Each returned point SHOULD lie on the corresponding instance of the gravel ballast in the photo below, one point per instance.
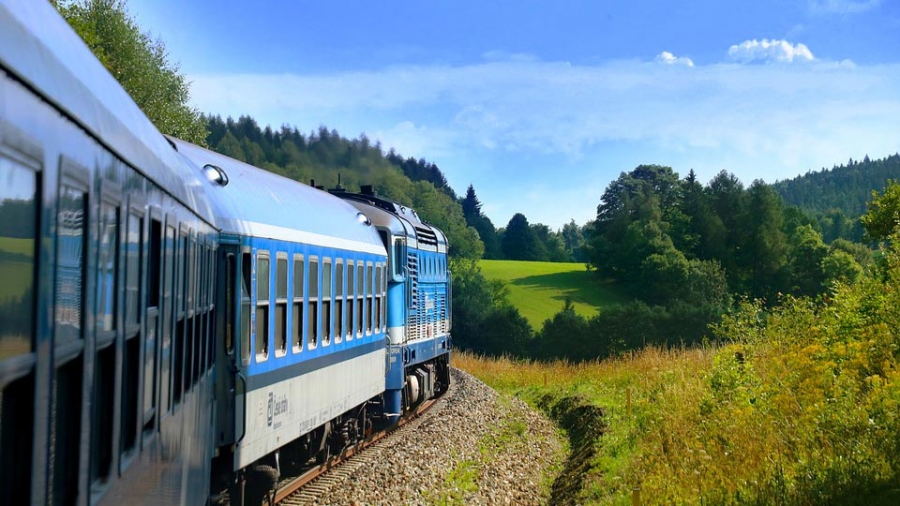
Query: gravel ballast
(474, 447)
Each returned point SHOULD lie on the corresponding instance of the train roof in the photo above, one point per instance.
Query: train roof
(399, 219)
(40, 49)
(259, 203)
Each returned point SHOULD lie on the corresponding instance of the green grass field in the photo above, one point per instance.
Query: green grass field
(539, 289)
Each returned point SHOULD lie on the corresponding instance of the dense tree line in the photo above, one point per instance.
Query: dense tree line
(521, 240)
(328, 159)
(421, 170)
(837, 197)
(671, 239)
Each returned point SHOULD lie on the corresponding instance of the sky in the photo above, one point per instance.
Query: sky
(541, 104)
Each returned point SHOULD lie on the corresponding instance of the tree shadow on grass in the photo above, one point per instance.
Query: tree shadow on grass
(579, 286)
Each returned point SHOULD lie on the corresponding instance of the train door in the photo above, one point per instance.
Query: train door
(229, 367)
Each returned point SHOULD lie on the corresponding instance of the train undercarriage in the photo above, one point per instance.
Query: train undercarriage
(257, 482)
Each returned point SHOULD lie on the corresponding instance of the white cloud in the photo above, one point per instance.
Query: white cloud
(503, 124)
(842, 6)
(769, 50)
(670, 59)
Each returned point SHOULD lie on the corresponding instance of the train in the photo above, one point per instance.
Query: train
(177, 326)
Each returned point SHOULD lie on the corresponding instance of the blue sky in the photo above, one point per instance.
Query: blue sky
(540, 105)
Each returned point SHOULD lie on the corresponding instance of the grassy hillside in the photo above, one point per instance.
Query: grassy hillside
(539, 289)
(801, 406)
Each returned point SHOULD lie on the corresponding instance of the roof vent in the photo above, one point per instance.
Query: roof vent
(215, 174)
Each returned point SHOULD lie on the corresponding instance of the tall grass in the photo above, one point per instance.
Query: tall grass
(801, 407)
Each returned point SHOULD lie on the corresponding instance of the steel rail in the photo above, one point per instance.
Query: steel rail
(297, 484)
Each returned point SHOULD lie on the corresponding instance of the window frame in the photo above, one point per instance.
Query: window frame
(298, 302)
(281, 303)
(264, 306)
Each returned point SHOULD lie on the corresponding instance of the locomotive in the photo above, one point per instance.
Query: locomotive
(176, 326)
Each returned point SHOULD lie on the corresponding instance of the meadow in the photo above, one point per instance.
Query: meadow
(799, 404)
(539, 289)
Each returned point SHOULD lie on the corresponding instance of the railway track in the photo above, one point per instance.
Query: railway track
(310, 485)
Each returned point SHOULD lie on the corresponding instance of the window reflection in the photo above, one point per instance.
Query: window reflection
(18, 224)
(106, 270)
(70, 250)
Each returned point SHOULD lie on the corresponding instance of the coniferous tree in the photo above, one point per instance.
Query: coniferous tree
(519, 240)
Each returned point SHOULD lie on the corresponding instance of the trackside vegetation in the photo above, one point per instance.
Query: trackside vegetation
(797, 404)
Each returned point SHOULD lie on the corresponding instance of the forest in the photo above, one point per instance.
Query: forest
(685, 253)
(755, 362)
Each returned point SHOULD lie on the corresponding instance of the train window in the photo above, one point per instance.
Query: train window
(398, 258)
(190, 273)
(165, 356)
(370, 304)
(246, 273)
(351, 292)
(360, 297)
(230, 271)
(347, 302)
(133, 260)
(178, 279)
(378, 296)
(65, 431)
(326, 301)
(18, 253)
(16, 436)
(70, 235)
(18, 229)
(197, 276)
(297, 307)
(312, 303)
(384, 298)
(199, 309)
(102, 418)
(181, 325)
(131, 377)
(262, 306)
(338, 300)
(155, 259)
(281, 293)
(210, 334)
(132, 354)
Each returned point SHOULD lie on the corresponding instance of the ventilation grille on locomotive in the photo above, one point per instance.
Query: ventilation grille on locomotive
(426, 236)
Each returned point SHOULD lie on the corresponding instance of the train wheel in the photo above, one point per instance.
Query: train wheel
(261, 481)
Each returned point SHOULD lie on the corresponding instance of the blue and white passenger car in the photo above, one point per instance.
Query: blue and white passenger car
(418, 299)
(303, 323)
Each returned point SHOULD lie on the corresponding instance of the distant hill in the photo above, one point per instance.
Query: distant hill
(837, 197)
(845, 187)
